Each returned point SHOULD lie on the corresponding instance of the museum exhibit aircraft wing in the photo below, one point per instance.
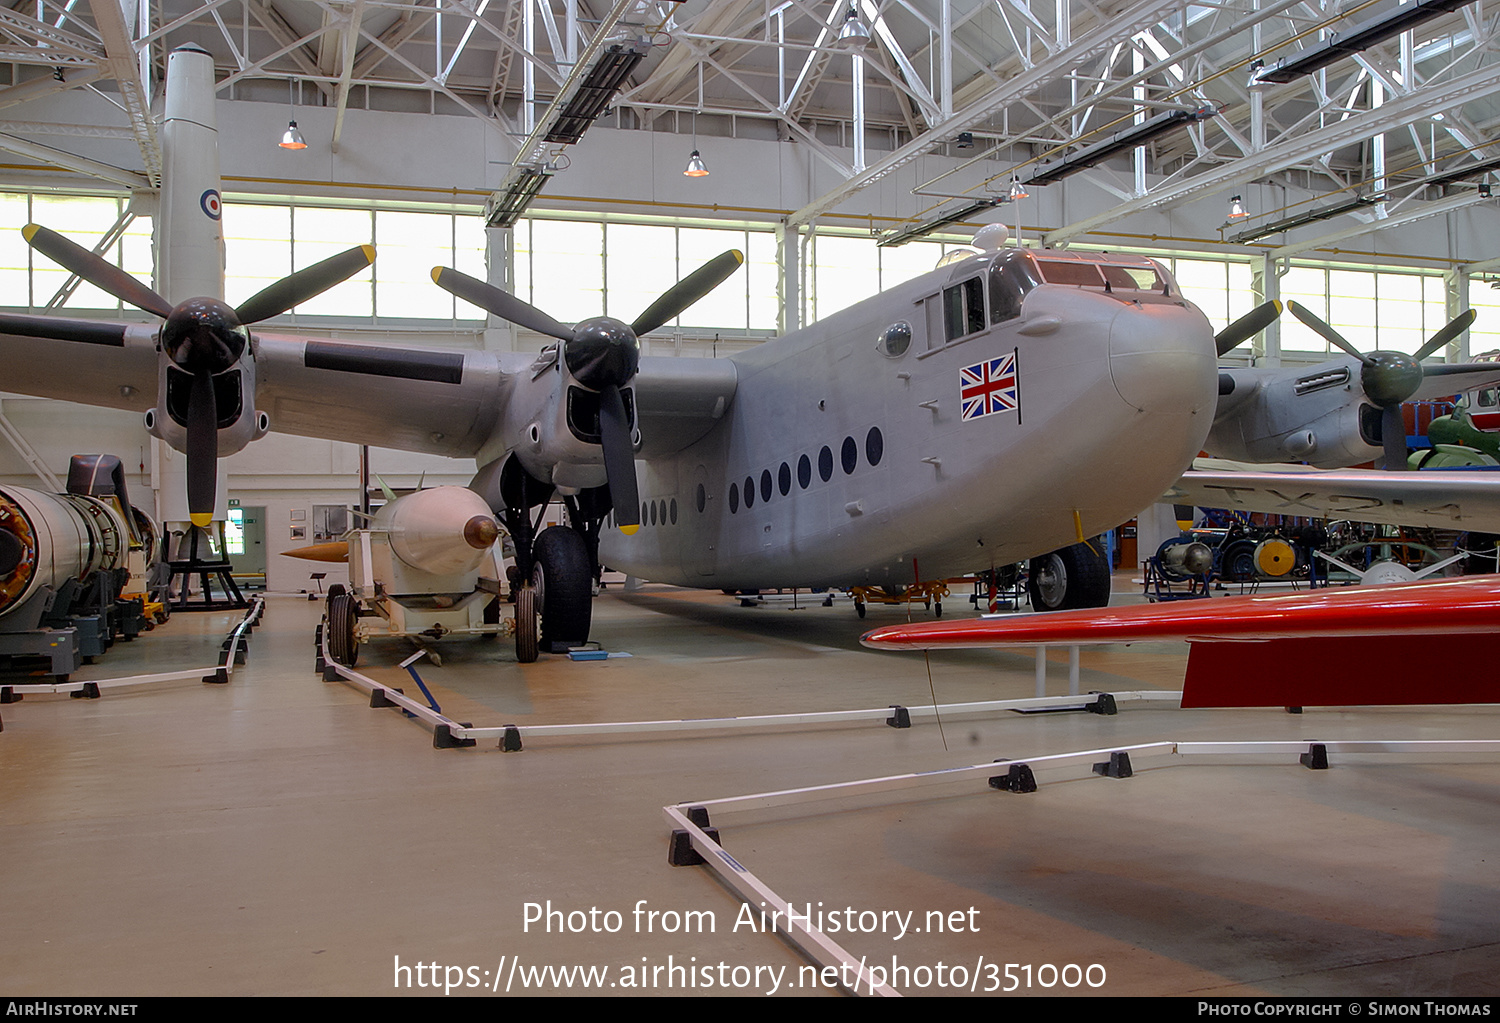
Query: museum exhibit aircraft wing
(1466, 498)
(1342, 412)
(1368, 645)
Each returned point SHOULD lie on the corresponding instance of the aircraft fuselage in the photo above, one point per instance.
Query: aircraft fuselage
(974, 417)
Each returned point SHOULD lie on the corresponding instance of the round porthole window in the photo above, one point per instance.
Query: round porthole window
(895, 340)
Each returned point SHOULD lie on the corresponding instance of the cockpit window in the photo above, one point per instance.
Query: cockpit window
(963, 309)
(1133, 278)
(1012, 275)
(1082, 275)
(1109, 276)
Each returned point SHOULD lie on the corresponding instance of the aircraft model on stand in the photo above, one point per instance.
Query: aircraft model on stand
(928, 431)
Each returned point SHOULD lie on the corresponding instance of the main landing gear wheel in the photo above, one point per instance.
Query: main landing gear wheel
(526, 624)
(563, 578)
(343, 615)
(1076, 576)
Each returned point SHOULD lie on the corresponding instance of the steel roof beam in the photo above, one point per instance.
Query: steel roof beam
(1284, 155)
(1091, 44)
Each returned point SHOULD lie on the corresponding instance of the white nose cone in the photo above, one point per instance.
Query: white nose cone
(442, 531)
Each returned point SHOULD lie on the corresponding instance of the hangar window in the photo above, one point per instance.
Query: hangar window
(734, 498)
(825, 464)
(850, 455)
(804, 472)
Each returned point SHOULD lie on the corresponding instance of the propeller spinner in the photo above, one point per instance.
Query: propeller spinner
(203, 337)
(601, 354)
(1389, 378)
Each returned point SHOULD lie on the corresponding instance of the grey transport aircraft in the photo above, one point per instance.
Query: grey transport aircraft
(1001, 408)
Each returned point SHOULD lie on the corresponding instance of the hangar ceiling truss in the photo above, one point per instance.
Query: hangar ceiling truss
(1005, 86)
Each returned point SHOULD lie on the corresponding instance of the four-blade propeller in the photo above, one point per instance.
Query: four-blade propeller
(1390, 378)
(602, 354)
(203, 337)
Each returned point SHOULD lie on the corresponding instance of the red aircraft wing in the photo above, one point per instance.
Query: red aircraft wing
(1361, 645)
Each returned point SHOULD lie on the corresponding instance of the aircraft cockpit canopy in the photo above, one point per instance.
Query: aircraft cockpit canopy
(1012, 274)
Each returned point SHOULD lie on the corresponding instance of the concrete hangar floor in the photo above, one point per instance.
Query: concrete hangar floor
(276, 835)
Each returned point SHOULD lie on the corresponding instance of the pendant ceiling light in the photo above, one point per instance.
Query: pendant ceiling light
(854, 34)
(292, 138)
(696, 168)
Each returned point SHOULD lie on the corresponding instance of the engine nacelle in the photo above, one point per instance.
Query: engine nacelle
(1319, 417)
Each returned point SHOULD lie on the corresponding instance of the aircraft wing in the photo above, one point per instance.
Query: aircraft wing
(1439, 498)
(1442, 380)
(678, 400)
(415, 399)
(109, 363)
(1341, 647)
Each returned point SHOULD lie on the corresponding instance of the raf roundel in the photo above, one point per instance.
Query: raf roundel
(210, 202)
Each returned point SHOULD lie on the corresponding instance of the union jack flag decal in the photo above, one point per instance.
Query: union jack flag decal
(989, 387)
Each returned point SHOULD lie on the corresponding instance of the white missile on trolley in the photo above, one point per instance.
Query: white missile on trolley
(428, 565)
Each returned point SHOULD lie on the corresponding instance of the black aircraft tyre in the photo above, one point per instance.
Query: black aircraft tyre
(1237, 565)
(343, 614)
(1073, 577)
(563, 578)
(526, 647)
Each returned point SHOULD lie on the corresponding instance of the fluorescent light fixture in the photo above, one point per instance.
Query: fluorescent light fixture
(943, 219)
(1360, 36)
(594, 93)
(1463, 173)
(520, 188)
(1119, 141)
(1311, 216)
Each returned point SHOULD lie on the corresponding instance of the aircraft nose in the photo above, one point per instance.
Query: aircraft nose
(1161, 359)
